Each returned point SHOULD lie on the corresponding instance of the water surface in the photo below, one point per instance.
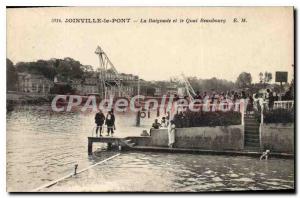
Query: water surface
(43, 146)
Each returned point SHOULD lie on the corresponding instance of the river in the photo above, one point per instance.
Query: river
(43, 146)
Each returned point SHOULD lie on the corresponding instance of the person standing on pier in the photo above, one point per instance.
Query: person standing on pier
(110, 122)
(99, 120)
(171, 134)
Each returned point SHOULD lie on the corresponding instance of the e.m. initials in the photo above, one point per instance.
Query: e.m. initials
(241, 20)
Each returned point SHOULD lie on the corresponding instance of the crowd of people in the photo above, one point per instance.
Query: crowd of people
(253, 101)
(234, 96)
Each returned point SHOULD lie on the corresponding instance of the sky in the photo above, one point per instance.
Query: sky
(159, 51)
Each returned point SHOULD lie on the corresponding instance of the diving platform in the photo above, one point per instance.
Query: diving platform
(110, 141)
(103, 139)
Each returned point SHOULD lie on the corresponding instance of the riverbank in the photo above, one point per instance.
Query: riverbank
(13, 97)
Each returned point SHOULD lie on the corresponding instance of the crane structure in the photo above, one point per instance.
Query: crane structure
(189, 89)
(104, 81)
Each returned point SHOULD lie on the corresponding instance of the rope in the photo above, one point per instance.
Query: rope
(72, 174)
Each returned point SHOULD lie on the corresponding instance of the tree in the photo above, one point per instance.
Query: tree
(267, 77)
(261, 77)
(207, 85)
(244, 80)
(62, 89)
(45, 68)
(70, 68)
(11, 76)
(67, 68)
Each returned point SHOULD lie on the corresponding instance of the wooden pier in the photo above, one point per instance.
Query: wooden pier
(109, 140)
(142, 144)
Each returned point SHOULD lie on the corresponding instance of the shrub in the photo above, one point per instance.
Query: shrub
(279, 116)
(203, 119)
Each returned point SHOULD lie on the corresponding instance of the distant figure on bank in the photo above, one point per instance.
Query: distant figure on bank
(164, 122)
(259, 102)
(110, 123)
(250, 105)
(270, 97)
(156, 124)
(99, 120)
(171, 134)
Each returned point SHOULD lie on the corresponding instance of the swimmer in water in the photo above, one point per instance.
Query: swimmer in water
(265, 155)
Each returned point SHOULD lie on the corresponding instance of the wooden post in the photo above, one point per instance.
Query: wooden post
(109, 145)
(90, 146)
(138, 118)
(261, 125)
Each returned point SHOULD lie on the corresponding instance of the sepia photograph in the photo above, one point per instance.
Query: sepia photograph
(150, 99)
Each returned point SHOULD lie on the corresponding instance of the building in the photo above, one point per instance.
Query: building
(85, 86)
(90, 85)
(34, 83)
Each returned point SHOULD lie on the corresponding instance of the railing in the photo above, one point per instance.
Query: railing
(283, 104)
(277, 105)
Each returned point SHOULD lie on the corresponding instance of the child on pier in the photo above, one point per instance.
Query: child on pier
(110, 122)
(99, 120)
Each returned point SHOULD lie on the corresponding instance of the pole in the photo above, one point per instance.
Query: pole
(90, 146)
(138, 118)
(138, 88)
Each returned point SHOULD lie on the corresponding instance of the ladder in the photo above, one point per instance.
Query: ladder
(188, 87)
(104, 63)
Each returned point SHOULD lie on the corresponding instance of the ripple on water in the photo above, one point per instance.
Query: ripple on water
(243, 179)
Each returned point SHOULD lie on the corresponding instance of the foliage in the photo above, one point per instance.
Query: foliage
(265, 77)
(279, 116)
(276, 116)
(212, 84)
(261, 77)
(67, 68)
(206, 85)
(11, 76)
(268, 77)
(244, 80)
(62, 89)
(204, 119)
(42, 67)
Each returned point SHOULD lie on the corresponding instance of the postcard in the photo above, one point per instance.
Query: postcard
(150, 99)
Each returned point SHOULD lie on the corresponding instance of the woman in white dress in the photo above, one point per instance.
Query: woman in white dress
(171, 133)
